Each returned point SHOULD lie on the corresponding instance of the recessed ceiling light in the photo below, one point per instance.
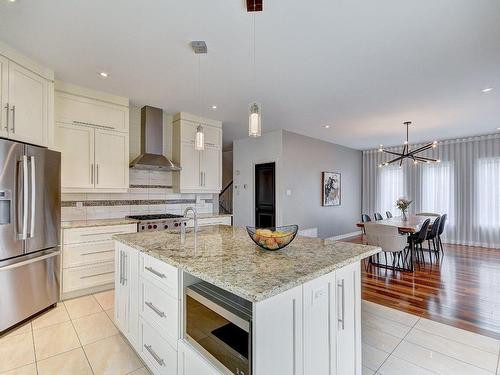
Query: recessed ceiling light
(12, 1)
(326, 126)
(487, 89)
(104, 74)
(214, 107)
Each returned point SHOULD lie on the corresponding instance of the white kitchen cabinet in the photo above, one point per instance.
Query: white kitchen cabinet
(347, 319)
(88, 258)
(192, 363)
(80, 109)
(127, 293)
(319, 328)
(111, 160)
(76, 144)
(26, 98)
(92, 135)
(201, 169)
(278, 334)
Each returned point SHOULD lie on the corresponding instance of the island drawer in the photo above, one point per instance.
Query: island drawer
(158, 354)
(81, 254)
(92, 234)
(161, 274)
(157, 307)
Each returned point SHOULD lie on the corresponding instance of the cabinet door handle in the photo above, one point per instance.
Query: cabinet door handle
(13, 109)
(97, 173)
(157, 358)
(92, 173)
(155, 272)
(7, 117)
(125, 257)
(203, 178)
(341, 319)
(158, 312)
(121, 267)
(294, 335)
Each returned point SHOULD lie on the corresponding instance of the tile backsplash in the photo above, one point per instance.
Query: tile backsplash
(150, 192)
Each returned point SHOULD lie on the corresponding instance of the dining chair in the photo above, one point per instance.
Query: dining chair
(378, 216)
(388, 238)
(365, 219)
(418, 238)
(442, 223)
(388, 214)
(432, 236)
(427, 214)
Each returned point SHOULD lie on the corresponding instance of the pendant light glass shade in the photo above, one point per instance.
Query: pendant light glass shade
(199, 143)
(255, 120)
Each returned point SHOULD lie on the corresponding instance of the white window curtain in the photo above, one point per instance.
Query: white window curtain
(465, 185)
(488, 196)
(391, 188)
(438, 190)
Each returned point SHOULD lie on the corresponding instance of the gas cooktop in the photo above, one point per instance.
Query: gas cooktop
(155, 217)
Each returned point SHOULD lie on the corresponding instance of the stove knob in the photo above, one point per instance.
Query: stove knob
(176, 224)
(166, 226)
(155, 226)
(150, 226)
(143, 227)
(185, 223)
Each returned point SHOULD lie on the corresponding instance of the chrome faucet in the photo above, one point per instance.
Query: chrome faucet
(195, 219)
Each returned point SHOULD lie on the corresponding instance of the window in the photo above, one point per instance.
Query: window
(391, 188)
(438, 189)
(488, 193)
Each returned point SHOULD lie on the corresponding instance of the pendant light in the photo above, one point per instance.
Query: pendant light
(199, 48)
(254, 109)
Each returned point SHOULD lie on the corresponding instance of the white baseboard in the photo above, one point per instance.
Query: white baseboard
(345, 235)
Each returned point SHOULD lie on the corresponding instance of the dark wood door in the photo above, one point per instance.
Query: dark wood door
(265, 195)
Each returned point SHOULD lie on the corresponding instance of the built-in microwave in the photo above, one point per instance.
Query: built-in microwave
(219, 324)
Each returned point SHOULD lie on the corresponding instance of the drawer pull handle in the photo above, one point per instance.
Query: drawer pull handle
(157, 358)
(82, 123)
(155, 309)
(97, 274)
(100, 233)
(155, 272)
(98, 252)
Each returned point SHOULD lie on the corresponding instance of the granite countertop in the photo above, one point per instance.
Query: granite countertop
(95, 223)
(227, 257)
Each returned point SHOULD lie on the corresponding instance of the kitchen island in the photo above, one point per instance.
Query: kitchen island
(302, 302)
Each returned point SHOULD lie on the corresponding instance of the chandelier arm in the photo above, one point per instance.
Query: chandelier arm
(422, 158)
(395, 160)
(423, 148)
(394, 153)
(401, 163)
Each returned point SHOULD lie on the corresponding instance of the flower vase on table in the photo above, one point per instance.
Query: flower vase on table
(403, 204)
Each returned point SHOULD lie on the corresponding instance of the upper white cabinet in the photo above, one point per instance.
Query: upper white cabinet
(92, 135)
(26, 95)
(201, 170)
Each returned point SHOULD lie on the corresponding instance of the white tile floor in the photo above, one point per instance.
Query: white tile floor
(396, 343)
(79, 338)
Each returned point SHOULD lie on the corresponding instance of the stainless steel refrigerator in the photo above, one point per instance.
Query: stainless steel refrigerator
(30, 215)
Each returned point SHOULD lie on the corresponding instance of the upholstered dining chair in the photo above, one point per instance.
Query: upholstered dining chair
(432, 236)
(378, 216)
(365, 219)
(388, 214)
(418, 238)
(388, 238)
(442, 223)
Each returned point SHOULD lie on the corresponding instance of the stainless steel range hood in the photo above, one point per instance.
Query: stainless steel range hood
(152, 157)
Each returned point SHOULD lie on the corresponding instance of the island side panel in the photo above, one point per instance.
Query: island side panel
(278, 334)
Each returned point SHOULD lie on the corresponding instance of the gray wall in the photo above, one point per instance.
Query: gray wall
(304, 159)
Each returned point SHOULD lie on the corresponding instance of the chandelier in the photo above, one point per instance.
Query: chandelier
(407, 153)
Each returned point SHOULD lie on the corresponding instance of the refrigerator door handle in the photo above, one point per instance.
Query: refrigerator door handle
(33, 196)
(24, 233)
(29, 261)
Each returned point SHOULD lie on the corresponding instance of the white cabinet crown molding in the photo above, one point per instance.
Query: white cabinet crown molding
(184, 116)
(28, 63)
(91, 94)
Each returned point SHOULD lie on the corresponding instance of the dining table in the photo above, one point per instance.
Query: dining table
(411, 225)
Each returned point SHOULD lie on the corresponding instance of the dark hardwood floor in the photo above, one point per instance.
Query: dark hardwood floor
(462, 289)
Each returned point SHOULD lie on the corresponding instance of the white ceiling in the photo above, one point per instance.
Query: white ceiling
(362, 67)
